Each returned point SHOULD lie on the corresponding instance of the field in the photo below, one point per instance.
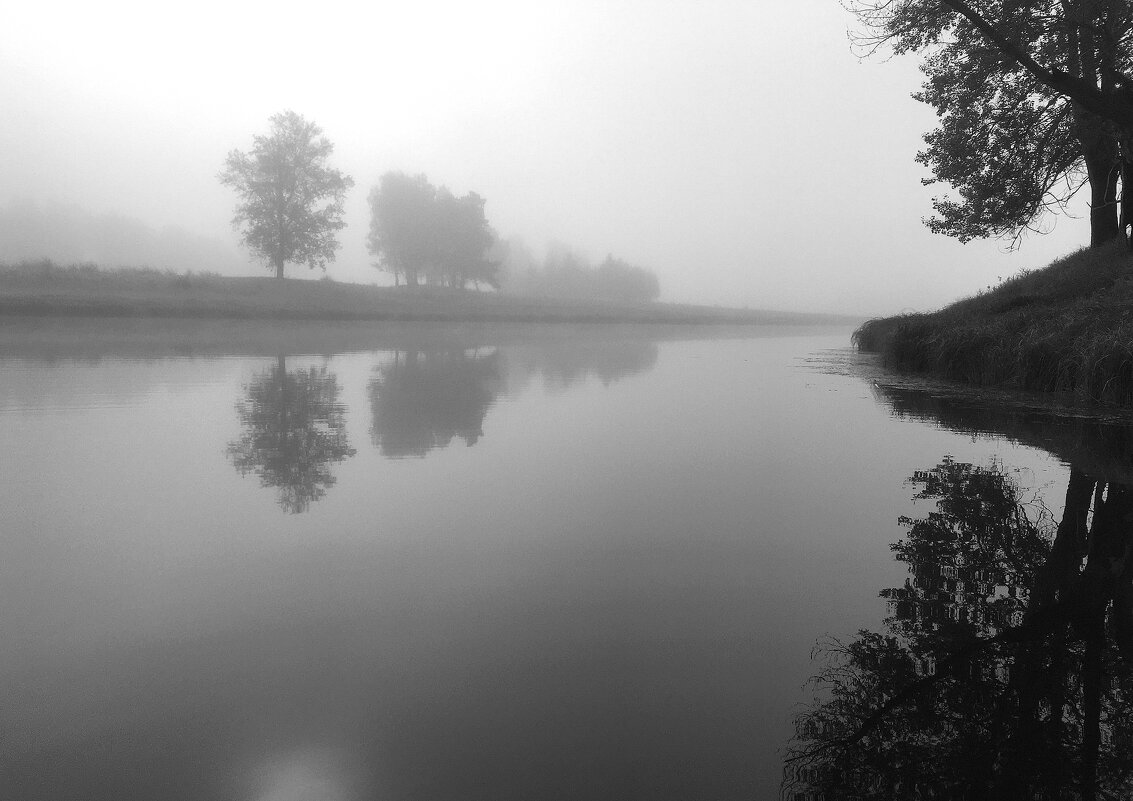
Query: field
(46, 289)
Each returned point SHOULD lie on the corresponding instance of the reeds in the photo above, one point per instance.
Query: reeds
(1065, 328)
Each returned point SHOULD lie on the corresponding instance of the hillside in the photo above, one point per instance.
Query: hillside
(1066, 328)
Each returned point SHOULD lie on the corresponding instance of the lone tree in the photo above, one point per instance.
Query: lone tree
(1029, 93)
(290, 202)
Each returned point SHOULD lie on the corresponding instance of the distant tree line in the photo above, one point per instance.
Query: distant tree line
(290, 208)
(565, 273)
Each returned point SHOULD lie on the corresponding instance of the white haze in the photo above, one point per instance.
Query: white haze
(738, 149)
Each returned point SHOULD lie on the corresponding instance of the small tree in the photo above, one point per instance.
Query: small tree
(290, 202)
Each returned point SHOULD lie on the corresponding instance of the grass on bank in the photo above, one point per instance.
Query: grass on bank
(46, 289)
(1067, 327)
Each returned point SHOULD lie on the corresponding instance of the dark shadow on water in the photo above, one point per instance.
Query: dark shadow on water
(1005, 667)
(1094, 442)
(294, 430)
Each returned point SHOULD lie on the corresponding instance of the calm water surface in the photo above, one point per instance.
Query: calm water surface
(486, 564)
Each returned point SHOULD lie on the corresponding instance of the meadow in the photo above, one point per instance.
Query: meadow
(43, 288)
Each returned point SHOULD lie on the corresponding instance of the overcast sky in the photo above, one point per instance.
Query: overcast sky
(739, 149)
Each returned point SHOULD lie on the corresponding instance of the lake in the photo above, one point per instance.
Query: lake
(471, 562)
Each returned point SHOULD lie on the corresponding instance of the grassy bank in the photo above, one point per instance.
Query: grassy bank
(45, 289)
(1065, 328)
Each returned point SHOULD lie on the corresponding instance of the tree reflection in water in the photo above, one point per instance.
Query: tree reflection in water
(422, 399)
(1003, 671)
(294, 430)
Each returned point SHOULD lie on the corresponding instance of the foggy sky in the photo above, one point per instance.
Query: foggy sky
(738, 149)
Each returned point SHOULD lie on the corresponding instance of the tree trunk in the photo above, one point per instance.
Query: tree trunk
(278, 263)
(1104, 223)
(1126, 219)
(1064, 562)
(1103, 168)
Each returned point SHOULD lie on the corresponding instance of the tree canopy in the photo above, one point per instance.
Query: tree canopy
(1004, 668)
(420, 232)
(1034, 101)
(290, 202)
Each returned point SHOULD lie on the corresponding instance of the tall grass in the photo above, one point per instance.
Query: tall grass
(38, 271)
(1065, 328)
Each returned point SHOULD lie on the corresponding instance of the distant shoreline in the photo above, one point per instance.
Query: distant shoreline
(68, 292)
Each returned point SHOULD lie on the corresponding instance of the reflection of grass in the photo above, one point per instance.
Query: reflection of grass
(1066, 327)
(43, 288)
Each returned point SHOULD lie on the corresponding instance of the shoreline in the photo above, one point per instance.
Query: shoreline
(64, 338)
(122, 295)
(1066, 328)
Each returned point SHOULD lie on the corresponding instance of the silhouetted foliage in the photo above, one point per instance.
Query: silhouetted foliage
(1009, 148)
(294, 431)
(997, 676)
(421, 232)
(1027, 92)
(421, 400)
(290, 202)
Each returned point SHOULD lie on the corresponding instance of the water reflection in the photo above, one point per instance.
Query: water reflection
(563, 363)
(1003, 670)
(422, 399)
(1097, 444)
(293, 432)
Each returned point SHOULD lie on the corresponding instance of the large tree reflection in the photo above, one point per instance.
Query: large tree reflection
(1003, 670)
(422, 399)
(294, 430)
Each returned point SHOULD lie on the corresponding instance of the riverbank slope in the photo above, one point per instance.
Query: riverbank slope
(1066, 328)
(89, 292)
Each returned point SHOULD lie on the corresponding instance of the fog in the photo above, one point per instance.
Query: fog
(739, 150)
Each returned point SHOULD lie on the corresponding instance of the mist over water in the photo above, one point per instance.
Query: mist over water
(491, 564)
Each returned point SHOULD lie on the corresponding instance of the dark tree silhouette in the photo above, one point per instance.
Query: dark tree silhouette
(423, 399)
(291, 202)
(998, 675)
(294, 430)
(1029, 93)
